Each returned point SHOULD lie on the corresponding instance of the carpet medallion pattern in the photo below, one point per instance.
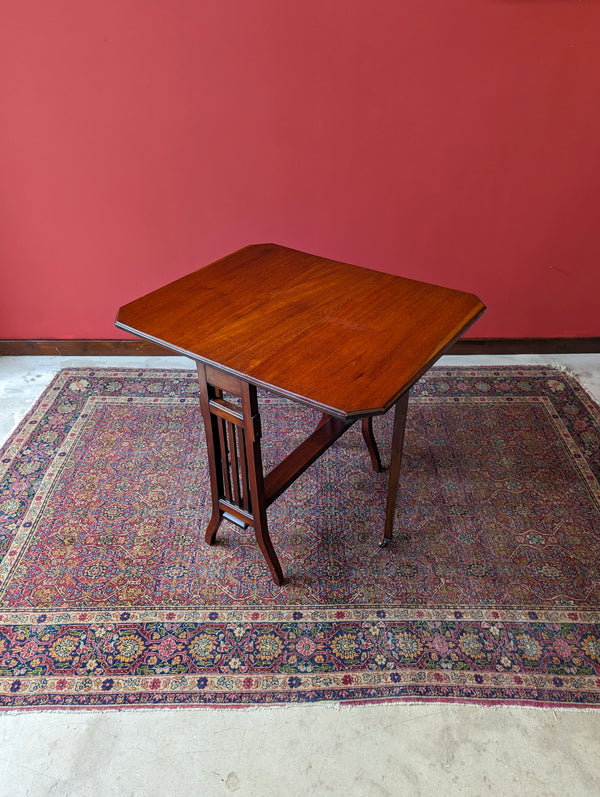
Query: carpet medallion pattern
(489, 593)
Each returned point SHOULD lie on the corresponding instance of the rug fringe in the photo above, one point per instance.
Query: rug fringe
(564, 369)
(452, 705)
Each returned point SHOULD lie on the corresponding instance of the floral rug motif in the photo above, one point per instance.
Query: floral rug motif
(489, 593)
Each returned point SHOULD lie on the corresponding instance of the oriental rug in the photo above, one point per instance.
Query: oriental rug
(490, 592)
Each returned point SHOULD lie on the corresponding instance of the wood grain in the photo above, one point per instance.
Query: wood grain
(345, 339)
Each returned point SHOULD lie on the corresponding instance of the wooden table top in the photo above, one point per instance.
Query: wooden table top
(344, 339)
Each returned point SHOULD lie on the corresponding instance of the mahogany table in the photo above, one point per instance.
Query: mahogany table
(346, 340)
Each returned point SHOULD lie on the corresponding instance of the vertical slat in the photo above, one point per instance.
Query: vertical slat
(224, 458)
(233, 453)
(245, 488)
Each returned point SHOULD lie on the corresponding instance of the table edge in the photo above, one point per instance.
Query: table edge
(303, 399)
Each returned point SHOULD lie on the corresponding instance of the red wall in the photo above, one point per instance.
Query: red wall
(451, 141)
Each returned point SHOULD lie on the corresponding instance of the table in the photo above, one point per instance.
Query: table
(346, 340)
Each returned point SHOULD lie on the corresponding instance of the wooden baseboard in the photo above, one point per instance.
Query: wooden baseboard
(82, 348)
(140, 348)
(526, 346)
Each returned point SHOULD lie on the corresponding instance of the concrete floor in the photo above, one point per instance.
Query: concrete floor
(394, 749)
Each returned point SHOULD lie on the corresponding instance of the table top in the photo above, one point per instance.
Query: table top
(344, 339)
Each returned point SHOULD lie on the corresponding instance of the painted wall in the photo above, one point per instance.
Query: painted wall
(454, 142)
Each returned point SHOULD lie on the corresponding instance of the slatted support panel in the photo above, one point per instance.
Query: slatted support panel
(233, 433)
(229, 422)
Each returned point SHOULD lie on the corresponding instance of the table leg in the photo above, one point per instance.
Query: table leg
(394, 477)
(233, 435)
(369, 437)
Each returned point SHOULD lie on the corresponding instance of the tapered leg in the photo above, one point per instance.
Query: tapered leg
(215, 465)
(256, 480)
(367, 431)
(394, 476)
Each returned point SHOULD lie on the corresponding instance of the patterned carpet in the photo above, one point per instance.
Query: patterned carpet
(490, 592)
